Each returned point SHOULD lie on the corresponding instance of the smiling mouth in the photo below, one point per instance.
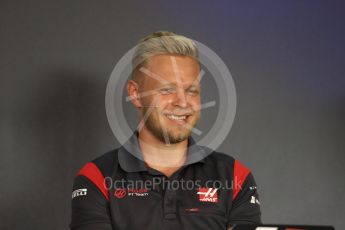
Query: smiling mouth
(176, 117)
(180, 119)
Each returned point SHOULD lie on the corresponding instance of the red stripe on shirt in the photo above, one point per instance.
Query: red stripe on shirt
(240, 174)
(92, 172)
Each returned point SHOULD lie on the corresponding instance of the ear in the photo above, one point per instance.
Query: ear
(133, 92)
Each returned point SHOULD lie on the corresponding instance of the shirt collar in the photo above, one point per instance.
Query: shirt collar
(130, 155)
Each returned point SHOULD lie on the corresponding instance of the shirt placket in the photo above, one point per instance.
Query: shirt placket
(169, 204)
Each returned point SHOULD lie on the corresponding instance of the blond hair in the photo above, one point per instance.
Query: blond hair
(162, 42)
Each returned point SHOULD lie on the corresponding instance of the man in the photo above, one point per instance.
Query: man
(165, 89)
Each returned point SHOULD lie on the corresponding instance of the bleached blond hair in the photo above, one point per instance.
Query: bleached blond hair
(162, 42)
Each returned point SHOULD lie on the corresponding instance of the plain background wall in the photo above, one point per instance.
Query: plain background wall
(287, 60)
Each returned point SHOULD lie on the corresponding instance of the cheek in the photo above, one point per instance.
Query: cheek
(146, 101)
(195, 103)
(165, 101)
(149, 101)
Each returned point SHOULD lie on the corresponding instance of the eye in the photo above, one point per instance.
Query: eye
(167, 90)
(193, 92)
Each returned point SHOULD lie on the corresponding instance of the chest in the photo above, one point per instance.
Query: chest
(188, 201)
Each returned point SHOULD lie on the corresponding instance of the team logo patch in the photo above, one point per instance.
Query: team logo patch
(120, 193)
(208, 195)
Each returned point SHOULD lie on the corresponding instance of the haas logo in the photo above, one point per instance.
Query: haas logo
(208, 195)
(120, 193)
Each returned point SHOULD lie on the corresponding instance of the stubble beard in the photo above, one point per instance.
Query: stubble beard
(155, 127)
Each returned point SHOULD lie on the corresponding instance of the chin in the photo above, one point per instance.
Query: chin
(176, 140)
(179, 138)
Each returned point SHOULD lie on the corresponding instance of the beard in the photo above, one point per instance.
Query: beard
(162, 132)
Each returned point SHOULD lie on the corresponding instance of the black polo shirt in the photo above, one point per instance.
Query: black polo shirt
(119, 191)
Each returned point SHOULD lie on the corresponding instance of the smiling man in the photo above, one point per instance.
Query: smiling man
(171, 109)
(160, 178)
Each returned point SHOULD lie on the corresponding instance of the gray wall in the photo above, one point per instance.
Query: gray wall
(287, 61)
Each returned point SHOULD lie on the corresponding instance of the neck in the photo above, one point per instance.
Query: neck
(160, 156)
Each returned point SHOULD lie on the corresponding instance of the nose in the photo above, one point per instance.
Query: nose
(181, 98)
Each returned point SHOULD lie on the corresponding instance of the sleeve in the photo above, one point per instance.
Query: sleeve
(90, 205)
(245, 205)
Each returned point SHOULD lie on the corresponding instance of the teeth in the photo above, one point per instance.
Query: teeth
(175, 117)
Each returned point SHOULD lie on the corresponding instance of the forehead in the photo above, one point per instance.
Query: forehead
(168, 68)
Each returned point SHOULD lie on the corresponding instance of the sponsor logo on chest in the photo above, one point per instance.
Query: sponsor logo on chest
(208, 195)
(123, 192)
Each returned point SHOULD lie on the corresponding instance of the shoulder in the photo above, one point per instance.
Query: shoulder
(221, 157)
(107, 162)
(226, 164)
(240, 174)
(93, 173)
(225, 160)
(102, 166)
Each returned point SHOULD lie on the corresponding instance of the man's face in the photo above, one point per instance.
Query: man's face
(172, 108)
